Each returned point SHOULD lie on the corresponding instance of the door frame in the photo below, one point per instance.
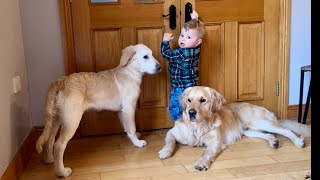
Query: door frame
(284, 51)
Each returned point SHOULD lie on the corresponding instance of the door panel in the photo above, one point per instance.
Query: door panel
(231, 61)
(230, 10)
(239, 54)
(127, 13)
(251, 61)
(105, 44)
(154, 86)
(211, 66)
(152, 111)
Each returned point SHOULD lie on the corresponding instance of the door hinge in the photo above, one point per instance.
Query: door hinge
(278, 88)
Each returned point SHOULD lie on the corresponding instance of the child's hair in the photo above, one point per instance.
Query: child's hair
(195, 24)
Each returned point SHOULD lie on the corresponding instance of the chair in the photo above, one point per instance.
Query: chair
(303, 70)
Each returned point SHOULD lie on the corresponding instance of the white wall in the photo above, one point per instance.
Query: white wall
(44, 53)
(300, 48)
(15, 122)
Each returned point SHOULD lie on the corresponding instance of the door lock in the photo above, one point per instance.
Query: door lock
(188, 11)
(172, 17)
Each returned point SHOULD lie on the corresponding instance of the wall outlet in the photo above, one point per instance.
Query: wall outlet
(16, 84)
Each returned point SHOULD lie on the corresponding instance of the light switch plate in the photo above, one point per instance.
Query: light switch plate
(16, 84)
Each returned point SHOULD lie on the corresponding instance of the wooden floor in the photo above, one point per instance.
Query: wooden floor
(114, 157)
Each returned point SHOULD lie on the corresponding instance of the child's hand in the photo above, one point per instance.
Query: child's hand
(167, 37)
(194, 15)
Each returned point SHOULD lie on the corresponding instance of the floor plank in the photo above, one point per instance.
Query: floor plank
(143, 172)
(292, 157)
(279, 176)
(269, 168)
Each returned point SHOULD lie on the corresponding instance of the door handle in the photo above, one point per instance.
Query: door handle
(188, 11)
(172, 17)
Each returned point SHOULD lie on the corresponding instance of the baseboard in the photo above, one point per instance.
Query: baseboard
(293, 111)
(22, 157)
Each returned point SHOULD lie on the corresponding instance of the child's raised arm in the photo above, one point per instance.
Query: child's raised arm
(194, 15)
(167, 37)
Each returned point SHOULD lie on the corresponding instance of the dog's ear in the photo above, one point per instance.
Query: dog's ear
(126, 54)
(224, 101)
(217, 100)
(183, 99)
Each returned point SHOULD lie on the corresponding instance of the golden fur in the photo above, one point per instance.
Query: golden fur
(207, 122)
(116, 89)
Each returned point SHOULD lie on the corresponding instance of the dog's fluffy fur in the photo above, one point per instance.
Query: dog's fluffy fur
(207, 122)
(117, 90)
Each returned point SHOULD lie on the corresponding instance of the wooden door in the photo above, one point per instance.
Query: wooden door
(240, 52)
(239, 56)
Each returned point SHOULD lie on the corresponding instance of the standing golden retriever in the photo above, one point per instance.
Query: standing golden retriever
(116, 89)
(206, 122)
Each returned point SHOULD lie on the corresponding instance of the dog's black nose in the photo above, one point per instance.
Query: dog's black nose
(192, 113)
(158, 67)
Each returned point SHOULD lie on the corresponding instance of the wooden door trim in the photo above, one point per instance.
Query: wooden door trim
(284, 58)
(284, 42)
(68, 43)
(67, 36)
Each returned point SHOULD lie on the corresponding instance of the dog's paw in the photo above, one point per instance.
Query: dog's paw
(65, 172)
(164, 153)
(275, 144)
(202, 165)
(140, 143)
(300, 142)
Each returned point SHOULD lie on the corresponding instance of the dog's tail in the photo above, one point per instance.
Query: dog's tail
(50, 111)
(296, 127)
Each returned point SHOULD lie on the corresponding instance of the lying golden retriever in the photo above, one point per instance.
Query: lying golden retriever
(116, 89)
(206, 122)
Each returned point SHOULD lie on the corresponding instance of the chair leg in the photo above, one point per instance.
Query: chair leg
(301, 95)
(307, 105)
